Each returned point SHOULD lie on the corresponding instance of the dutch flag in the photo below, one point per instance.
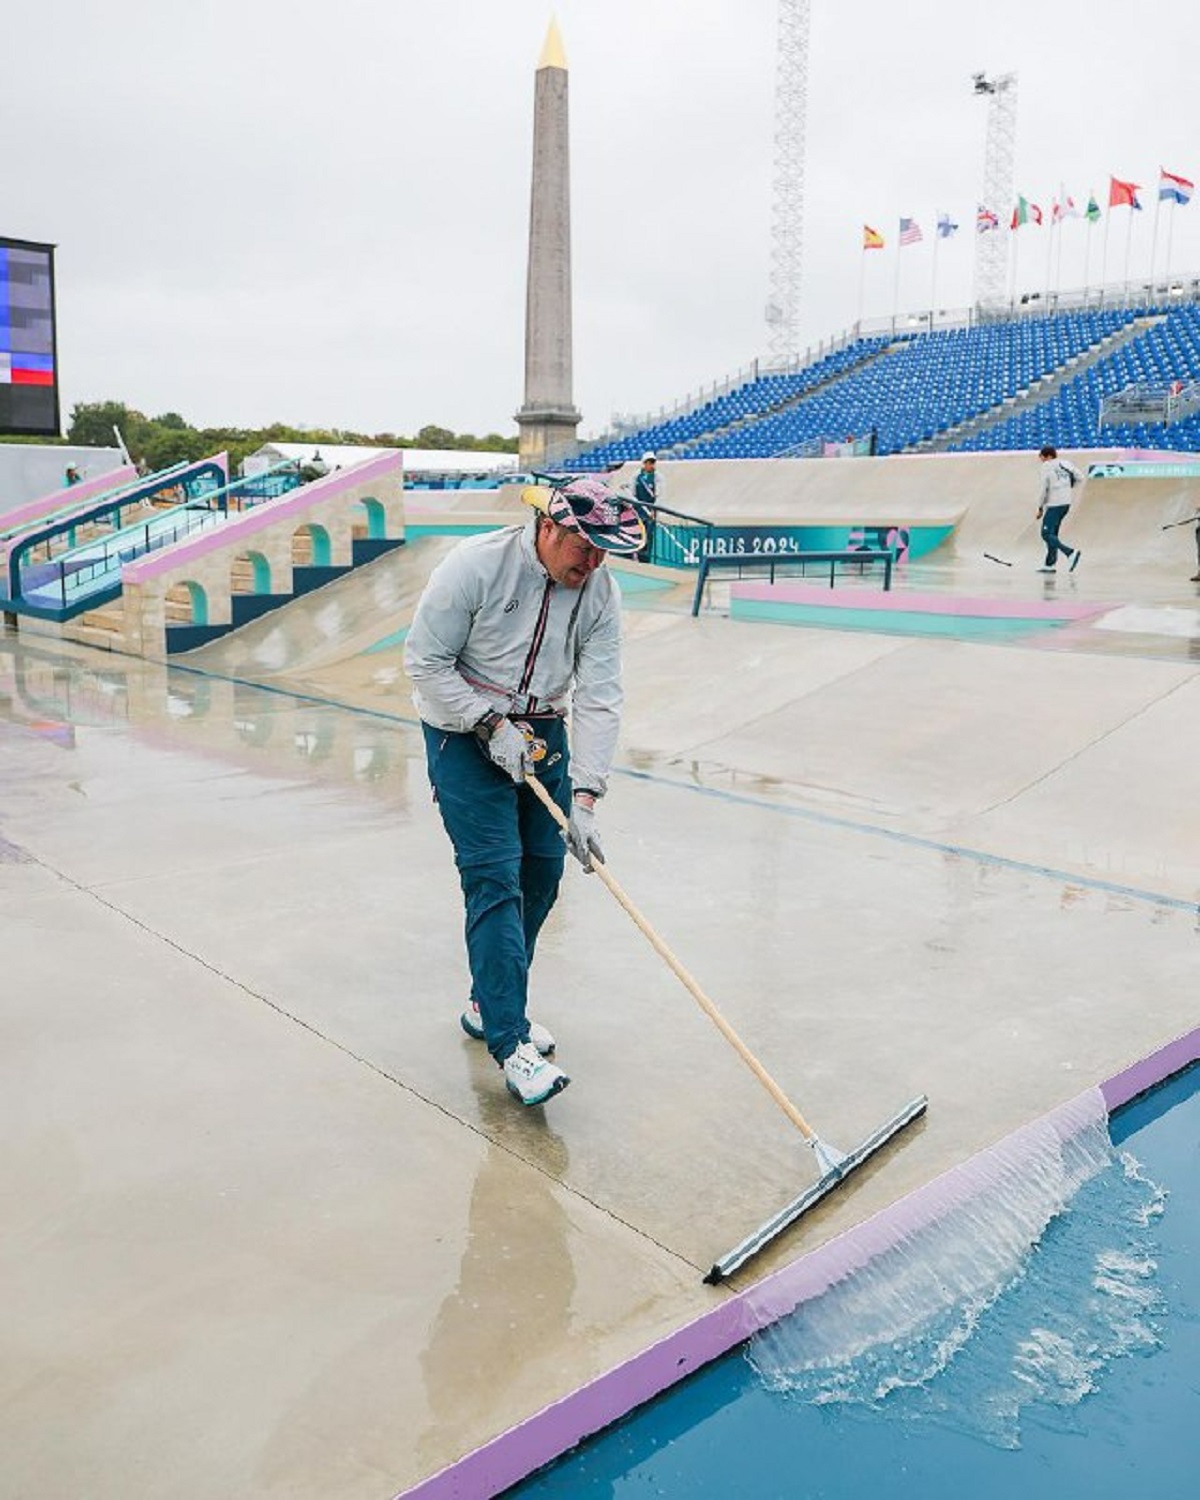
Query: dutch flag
(1174, 189)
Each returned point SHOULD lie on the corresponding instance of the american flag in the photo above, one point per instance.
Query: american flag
(910, 232)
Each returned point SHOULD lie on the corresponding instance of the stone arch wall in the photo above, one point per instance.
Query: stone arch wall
(312, 547)
(369, 519)
(186, 603)
(335, 505)
(250, 573)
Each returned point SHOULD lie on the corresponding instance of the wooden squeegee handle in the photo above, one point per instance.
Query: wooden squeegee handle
(681, 973)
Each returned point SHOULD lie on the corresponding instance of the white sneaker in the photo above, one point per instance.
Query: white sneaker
(472, 1023)
(530, 1078)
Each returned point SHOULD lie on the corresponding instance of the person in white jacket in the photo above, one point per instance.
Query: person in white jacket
(1059, 478)
(514, 628)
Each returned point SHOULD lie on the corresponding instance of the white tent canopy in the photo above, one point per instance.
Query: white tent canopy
(416, 460)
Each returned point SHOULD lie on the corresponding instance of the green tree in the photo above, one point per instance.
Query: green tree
(92, 423)
(164, 446)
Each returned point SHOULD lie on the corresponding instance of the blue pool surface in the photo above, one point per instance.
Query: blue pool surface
(1081, 1377)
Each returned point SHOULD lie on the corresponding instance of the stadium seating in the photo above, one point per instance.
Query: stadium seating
(1168, 351)
(913, 389)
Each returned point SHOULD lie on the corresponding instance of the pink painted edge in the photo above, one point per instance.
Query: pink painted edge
(916, 603)
(86, 490)
(261, 516)
(556, 1429)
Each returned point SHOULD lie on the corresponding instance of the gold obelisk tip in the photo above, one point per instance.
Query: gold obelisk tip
(553, 52)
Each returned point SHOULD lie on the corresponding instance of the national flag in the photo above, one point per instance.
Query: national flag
(1067, 209)
(946, 227)
(1025, 213)
(910, 232)
(1123, 194)
(1092, 212)
(872, 239)
(1175, 189)
(986, 219)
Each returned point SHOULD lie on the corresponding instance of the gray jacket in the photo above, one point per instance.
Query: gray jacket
(1056, 482)
(492, 630)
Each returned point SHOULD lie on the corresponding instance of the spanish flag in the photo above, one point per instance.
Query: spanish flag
(872, 239)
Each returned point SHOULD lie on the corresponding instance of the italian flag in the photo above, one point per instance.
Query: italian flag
(1026, 213)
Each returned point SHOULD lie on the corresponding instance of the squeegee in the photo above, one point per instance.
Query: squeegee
(833, 1165)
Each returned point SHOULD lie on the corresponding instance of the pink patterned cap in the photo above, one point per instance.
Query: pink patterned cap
(608, 520)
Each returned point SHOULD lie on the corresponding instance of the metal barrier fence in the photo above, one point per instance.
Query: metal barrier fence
(674, 539)
(793, 565)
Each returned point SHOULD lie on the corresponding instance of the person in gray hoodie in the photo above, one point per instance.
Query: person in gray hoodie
(515, 627)
(1059, 478)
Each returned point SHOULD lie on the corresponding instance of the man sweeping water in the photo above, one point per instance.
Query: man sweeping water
(514, 627)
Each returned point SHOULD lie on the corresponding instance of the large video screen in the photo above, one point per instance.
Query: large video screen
(28, 373)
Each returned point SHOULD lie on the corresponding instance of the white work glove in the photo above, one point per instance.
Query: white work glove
(509, 749)
(582, 839)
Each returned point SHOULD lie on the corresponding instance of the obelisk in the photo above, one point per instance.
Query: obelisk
(548, 419)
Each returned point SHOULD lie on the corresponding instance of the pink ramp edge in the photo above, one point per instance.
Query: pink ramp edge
(558, 1428)
(73, 494)
(914, 603)
(266, 514)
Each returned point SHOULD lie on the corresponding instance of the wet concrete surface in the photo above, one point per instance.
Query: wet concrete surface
(273, 1225)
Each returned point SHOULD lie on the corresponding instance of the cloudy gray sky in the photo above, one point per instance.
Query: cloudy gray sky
(317, 213)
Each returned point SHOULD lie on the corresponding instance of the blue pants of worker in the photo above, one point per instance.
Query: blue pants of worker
(1052, 519)
(509, 855)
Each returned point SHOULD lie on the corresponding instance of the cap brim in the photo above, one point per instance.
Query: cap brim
(537, 496)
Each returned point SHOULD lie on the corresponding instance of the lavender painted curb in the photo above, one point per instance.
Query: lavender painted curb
(557, 1428)
(1135, 1080)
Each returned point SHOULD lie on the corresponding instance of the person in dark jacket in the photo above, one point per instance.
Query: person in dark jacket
(645, 492)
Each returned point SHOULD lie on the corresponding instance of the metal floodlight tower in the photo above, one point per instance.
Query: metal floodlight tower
(787, 208)
(999, 155)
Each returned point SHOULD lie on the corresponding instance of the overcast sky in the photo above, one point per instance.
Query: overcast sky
(317, 213)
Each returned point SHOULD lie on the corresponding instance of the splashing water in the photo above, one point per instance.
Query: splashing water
(1018, 1297)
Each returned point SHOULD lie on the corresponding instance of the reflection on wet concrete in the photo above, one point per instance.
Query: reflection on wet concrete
(55, 691)
(510, 1309)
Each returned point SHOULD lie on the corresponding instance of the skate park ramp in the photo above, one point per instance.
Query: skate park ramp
(274, 1226)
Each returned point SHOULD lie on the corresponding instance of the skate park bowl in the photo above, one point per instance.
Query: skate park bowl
(279, 1198)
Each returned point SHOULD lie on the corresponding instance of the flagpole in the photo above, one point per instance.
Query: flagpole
(1063, 200)
(1128, 243)
(1104, 248)
(1170, 236)
(862, 277)
(896, 283)
(1016, 255)
(1049, 254)
(937, 234)
(1154, 235)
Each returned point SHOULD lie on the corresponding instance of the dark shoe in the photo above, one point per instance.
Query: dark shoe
(1075, 560)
